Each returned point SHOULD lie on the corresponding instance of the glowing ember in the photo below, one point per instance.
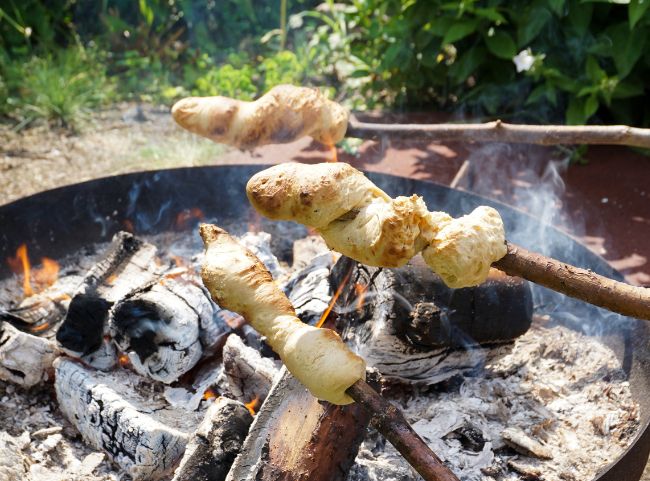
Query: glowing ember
(42, 277)
(111, 279)
(335, 298)
(184, 217)
(234, 321)
(334, 157)
(123, 360)
(253, 405)
(128, 225)
(210, 394)
(39, 327)
(360, 290)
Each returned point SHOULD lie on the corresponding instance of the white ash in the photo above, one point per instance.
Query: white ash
(558, 394)
(24, 358)
(38, 444)
(125, 417)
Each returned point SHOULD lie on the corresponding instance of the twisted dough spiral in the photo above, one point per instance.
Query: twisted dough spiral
(238, 281)
(284, 114)
(359, 220)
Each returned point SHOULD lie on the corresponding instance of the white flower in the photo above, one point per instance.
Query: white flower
(524, 60)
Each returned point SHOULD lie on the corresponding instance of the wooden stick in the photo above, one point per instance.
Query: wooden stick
(390, 422)
(498, 131)
(575, 282)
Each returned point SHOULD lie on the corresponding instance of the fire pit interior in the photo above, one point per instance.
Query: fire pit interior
(111, 364)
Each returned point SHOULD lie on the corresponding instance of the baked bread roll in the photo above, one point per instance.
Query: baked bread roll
(359, 220)
(462, 250)
(284, 114)
(238, 281)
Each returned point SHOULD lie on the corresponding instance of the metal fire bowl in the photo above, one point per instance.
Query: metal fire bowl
(61, 221)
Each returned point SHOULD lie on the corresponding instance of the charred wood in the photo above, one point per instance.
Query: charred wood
(24, 358)
(296, 437)
(309, 289)
(121, 414)
(246, 374)
(216, 442)
(411, 327)
(128, 264)
(42, 312)
(165, 327)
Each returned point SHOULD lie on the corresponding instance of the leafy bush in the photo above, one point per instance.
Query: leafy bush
(62, 88)
(576, 58)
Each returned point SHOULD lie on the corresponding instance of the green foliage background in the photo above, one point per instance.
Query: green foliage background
(586, 61)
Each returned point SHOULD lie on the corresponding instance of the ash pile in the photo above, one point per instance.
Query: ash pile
(124, 368)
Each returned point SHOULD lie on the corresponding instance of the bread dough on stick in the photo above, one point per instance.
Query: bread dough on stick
(238, 281)
(359, 220)
(284, 114)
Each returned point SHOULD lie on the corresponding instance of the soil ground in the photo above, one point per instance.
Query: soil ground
(605, 202)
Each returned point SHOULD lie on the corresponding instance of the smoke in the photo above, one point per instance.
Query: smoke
(530, 179)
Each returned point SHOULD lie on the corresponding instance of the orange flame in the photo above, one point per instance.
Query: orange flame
(335, 298)
(210, 394)
(255, 221)
(110, 280)
(360, 290)
(42, 277)
(184, 217)
(253, 405)
(39, 328)
(334, 157)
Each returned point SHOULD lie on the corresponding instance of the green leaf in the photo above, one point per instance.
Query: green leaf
(627, 47)
(466, 64)
(146, 11)
(537, 93)
(502, 45)
(636, 10)
(491, 14)
(581, 109)
(580, 16)
(557, 6)
(533, 23)
(575, 112)
(594, 72)
(591, 106)
(460, 30)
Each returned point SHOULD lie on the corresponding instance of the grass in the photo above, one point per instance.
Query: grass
(63, 88)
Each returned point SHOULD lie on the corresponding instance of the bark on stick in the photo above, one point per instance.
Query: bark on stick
(390, 422)
(575, 282)
(498, 131)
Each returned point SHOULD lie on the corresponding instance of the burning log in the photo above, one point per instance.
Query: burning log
(296, 437)
(413, 328)
(116, 412)
(309, 289)
(216, 442)
(165, 327)
(318, 358)
(24, 358)
(128, 264)
(43, 311)
(246, 374)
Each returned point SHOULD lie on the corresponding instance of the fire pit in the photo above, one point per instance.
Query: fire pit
(66, 221)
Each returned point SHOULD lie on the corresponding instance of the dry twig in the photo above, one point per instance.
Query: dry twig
(498, 131)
